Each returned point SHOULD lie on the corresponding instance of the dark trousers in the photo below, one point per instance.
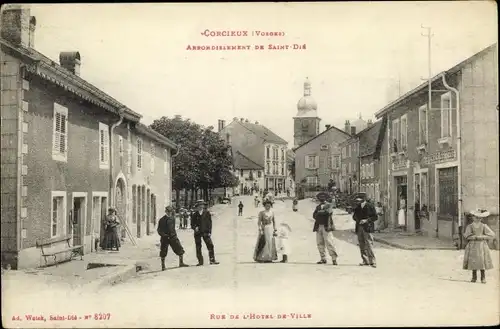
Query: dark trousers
(173, 242)
(366, 246)
(208, 243)
(240, 211)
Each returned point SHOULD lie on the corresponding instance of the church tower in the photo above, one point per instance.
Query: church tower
(306, 122)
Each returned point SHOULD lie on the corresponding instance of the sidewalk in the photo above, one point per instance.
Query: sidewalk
(410, 241)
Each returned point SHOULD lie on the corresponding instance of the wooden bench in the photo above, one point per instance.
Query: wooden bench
(75, 250)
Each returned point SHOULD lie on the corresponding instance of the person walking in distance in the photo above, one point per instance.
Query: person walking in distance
(365, 216)
(168, 237)
(201, 223)
(323, 226)
(240, 209)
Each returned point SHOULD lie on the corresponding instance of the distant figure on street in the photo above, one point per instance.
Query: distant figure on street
(365, 217)
(184, 219)
(477, 253)
(323, 226)
(265, 249)
(402, 211)
(379, 225)
(168, 237)
(201, 223)
(111, 238)
(240, 209)
(256, 201)
(288, 192)
(295, 204)
(284, 231)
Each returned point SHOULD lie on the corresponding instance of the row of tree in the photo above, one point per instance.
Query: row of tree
(204, 161)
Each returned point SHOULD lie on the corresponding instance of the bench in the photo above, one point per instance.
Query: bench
(75, 250)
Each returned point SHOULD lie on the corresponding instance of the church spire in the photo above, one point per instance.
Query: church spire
(307, 87)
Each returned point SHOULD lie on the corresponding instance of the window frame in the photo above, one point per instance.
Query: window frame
(57, 155)
(103, 146)
(396, 134)
(139, 154)
(61, 226)
(449, 112)
(423, 139)
(404, 135)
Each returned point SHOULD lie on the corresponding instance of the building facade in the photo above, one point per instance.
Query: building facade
(443, 158)
(317, 161)
(64, 151)
(250, 175)
(261, 146)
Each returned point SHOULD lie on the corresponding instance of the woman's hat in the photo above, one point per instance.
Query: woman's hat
(481, 213)
(266, 201)
(322, 196)
(111, 209)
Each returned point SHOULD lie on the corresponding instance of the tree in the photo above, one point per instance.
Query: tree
(203, 161)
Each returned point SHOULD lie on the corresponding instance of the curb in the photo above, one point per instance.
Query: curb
(406, 247)
(124, 273)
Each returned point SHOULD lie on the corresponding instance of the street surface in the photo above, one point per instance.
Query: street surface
(410, 288)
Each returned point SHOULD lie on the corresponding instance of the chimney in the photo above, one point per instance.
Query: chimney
(222, 124)
(347, 127)
(235, 119)
(369, 123)
(353, 130)
(247, 121)
(16, 24)
(242, 119)
(256, 122)
(70, 60)
(327, 127)
(32, 32)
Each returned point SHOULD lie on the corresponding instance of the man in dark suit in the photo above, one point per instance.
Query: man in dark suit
(365, 217)
(166, 230)
(201, 223)
(323, 226)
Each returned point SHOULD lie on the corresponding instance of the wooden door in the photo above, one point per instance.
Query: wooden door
(448, 195)
(77, 221)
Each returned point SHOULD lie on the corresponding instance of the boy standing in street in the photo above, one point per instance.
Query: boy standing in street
(240, 209)
(166, 230)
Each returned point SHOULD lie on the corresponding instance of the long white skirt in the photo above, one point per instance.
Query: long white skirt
(283, 246)
(401, 217)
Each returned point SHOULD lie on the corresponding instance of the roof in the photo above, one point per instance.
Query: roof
(436, 78)
(310, 140)
(47, 69)
(153, 134)
(368, 139)
(262, 132)
(241, 161)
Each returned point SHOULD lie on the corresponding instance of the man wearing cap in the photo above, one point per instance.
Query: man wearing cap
(201, 223)
(323, 226)
(166, 230)
(365, 217)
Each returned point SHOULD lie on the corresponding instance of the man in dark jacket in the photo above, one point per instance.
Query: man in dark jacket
(365, 217)
(166, 230)
(201, 223)
(323, 226)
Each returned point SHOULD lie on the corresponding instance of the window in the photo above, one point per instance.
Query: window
(395, 135)
(422, 120)
(139, 154)
(268, 151)
(424, 195)
(344, 152)
(282, 155)
(282, 170)
(165, 166)
(373, 169)
(103, 146)
(404, 132)
(349, 168)
(259, 174)
(120, 149)
(312, 162)
(60, 133)
(344, 169)
(446, 115)
(268, 171)
(152, 159)
(58, 214)
(336, 162)
(241, 172)
(349, 151)
(312, 180)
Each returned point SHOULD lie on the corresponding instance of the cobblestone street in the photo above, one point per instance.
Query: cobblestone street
(421, 287)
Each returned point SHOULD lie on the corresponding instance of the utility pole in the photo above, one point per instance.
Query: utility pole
(429, 36)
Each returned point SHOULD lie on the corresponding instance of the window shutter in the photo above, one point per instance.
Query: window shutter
(306, 159)
(57, 133)
(316, 162)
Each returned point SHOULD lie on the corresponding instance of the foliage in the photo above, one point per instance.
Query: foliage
(204, 160)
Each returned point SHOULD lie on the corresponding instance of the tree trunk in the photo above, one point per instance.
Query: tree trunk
(193, 195)
(196, 194)
(186, 195)
(205, 192)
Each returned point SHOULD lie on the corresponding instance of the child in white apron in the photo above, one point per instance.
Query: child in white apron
(283, 241)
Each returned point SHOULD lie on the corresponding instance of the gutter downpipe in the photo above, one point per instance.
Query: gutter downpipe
(121, 113)
(459, 157)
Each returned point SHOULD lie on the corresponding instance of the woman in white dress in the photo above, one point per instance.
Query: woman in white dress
(402, 211)
(265, 249)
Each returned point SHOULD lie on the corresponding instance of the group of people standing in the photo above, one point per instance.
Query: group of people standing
(201, 223)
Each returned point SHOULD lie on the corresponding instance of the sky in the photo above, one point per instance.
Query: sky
(356, 56)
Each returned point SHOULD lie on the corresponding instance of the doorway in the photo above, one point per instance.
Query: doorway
(448, 198)
(120, 202)
(99, 206)
(401, 201)
(78, 220)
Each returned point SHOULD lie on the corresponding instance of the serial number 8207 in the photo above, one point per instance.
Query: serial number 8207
(102, 316)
